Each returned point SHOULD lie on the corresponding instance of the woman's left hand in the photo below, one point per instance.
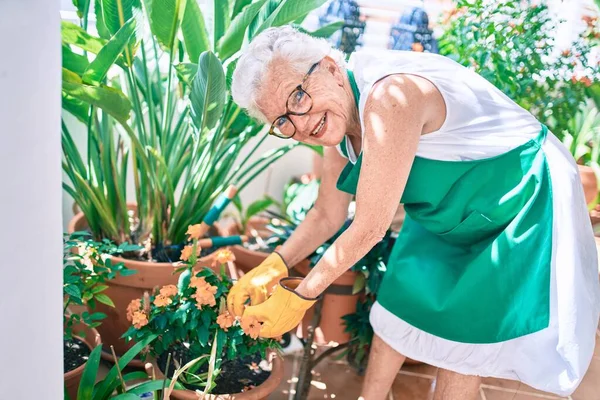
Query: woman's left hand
(281, 312)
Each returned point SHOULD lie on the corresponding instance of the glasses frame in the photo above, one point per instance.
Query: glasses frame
(287, 108)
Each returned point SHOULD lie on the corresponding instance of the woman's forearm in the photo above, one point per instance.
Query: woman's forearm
(313, 231)
(347, 250)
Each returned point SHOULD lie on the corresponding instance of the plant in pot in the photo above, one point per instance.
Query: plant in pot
(117, 384)
(149, 85)
(512, 44)
(214, 352)
(86, 270)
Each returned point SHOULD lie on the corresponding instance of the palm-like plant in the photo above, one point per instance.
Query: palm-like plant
(152, 91)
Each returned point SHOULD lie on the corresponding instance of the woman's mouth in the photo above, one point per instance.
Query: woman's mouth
(319, 129)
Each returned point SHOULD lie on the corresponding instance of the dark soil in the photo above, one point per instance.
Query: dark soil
(235, 375)
(76, 354)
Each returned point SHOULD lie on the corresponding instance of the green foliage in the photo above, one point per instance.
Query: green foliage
(157, 108)
(192, 315)
(86, 269)
(90, 388)
(510, 43)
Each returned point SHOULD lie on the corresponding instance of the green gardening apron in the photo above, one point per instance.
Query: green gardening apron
(472, 261)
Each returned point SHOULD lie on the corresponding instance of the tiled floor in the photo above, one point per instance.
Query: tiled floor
(334, 379)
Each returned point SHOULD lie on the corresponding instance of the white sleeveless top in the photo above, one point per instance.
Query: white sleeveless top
(481, 121)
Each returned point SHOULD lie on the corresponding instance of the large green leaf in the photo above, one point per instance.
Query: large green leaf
(238, 6)
(88, 378)
(111, 100)
(100, 25)
(288, 11)
(186, 72)
(76, 107)
(193, 28)
(220, 20)
(164, 21)
(208, 92)
(75, 35)
(327, 30)
(72, 61)
(107, 56)
(234, 37)
(116, 13)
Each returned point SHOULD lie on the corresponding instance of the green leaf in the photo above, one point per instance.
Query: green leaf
(82, 7)
(327, 30)
(99, 288)
(238, 6)
(126, 396)
(88, 378)
(73, 291)
(193, 28)
(208, 92)
(288, 11)
(104, 299)
(232, 41)
(111, 100)
(76, 107)
(128, 272)
(117, 12)
(259, 206)
(100, 25)
(359, 284)
(186, 72)
(72, 61)
(109, 54)
(220, 20)
(164, 21)
(75, 35)
(147, 387)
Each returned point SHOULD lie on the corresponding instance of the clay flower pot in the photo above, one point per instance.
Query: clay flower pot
(260, 392)
(589, 182)
(73, 377)
(338, 301)
(123, 289)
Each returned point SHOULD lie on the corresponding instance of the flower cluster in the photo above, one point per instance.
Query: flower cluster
(194, 311)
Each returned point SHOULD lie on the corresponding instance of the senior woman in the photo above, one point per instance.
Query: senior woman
(494, 272)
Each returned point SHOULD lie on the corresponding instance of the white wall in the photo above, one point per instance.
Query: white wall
(30, 197)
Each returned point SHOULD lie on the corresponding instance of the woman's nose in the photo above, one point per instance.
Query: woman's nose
(301, 122)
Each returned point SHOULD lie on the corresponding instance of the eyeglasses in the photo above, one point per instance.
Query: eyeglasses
(298, 102)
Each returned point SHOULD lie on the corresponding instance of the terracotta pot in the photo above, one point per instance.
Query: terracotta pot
(92, 340)
(246, 259)
(338, 301)
(589, 182)
(123, 289)
(261, 392)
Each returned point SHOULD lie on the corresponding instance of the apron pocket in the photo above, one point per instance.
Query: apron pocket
(472, 229)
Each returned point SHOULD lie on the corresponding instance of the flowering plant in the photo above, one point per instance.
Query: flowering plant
(193, 314)
(86, 269)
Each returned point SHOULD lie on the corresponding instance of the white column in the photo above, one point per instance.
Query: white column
(30, 201)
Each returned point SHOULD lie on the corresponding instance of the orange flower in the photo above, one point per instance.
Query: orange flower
(194, 231)
(204, 298)
(198, 282)
(187, 251)
(417, 47)
(168, 290)
(133, 306)
(225, 320)
(250, 326)
(161, 301)
(223, 256)
(139, 319)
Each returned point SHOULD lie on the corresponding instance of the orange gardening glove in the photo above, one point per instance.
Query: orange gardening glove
(281, 312)
(257, 284)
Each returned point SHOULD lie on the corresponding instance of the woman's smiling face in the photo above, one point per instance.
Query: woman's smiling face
(324, 102)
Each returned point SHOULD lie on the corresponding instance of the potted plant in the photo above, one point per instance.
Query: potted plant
(86, 270)
(149, 83)
(118, 385)
(215, 352)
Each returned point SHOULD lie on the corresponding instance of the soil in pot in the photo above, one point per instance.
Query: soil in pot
(236, 376)
(76, 353)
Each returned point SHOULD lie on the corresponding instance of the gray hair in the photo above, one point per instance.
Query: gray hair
(300, 49)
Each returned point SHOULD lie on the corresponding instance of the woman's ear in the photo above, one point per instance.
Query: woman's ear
(333, 68)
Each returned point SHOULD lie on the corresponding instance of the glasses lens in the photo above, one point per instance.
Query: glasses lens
(299, 102)
(283, 128)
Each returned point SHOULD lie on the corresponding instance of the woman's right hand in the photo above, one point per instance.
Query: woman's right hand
(257, 285)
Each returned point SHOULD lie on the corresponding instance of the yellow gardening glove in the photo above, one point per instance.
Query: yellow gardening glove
(281, 312)
(257, 284)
